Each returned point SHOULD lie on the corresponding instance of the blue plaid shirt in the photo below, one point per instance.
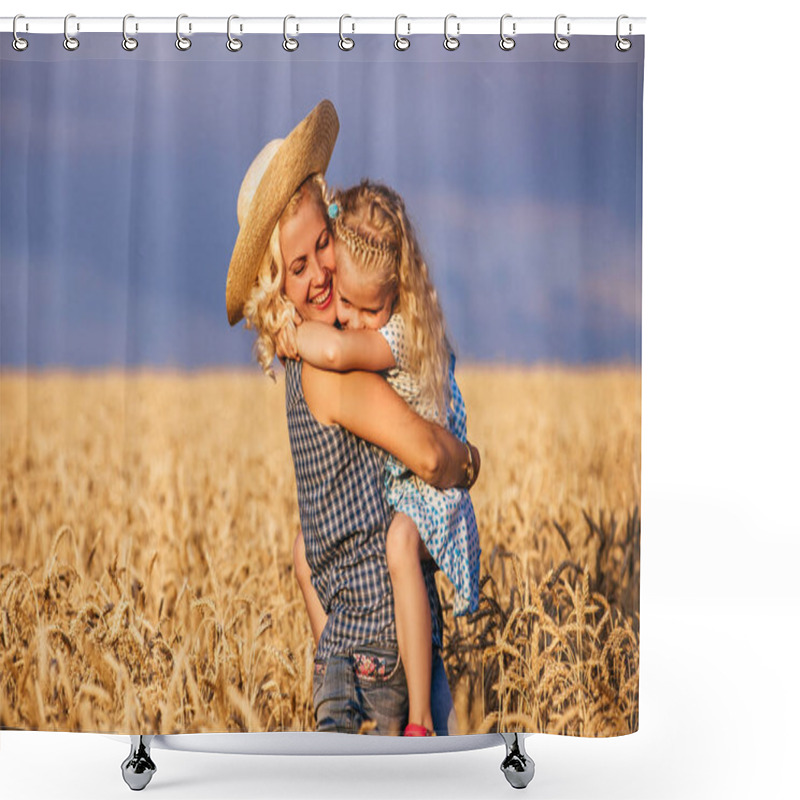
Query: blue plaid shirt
(344, 517)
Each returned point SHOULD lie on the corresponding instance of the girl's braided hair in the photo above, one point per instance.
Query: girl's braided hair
(373, 225)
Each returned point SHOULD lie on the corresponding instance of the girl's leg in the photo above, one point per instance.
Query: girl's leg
(316, 613)
(412, 615)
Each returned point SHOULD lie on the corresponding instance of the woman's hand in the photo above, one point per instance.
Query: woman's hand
(365, 404)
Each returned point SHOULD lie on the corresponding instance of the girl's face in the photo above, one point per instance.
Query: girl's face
(307, 249)
(362, 301)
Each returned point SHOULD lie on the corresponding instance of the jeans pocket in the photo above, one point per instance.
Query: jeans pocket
(380, 684)
(376, 664)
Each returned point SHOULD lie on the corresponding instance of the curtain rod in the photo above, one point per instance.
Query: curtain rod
(406, 26)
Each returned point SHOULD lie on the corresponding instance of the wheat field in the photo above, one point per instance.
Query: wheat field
(146, 580)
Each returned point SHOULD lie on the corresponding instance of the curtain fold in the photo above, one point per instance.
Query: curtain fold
(152, 500)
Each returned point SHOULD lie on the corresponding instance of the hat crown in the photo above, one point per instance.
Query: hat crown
(253, 177)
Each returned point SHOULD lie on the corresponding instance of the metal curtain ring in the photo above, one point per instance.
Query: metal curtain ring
(289, 44)
(623, 45)
(19, 43)
(560, 43)
(233, 44)
(345, 43)
(400, 42)
(507, 42)
(450, 42)
(128, 42)
(70, 42)
(181, 42)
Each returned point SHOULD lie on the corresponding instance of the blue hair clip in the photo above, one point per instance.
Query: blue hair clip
(333, 210)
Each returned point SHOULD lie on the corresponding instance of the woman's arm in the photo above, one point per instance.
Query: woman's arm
(329, 348)
(367, 406)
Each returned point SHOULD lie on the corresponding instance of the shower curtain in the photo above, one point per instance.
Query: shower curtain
(152, 500)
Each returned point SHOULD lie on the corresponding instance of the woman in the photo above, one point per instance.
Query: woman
(283, 262)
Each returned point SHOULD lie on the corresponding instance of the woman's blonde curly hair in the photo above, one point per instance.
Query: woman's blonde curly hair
(267, 309)
(373, 226)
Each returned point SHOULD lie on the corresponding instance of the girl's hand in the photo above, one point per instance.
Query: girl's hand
(286, 342)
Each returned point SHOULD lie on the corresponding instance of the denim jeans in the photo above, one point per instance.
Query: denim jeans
(444, 715)
(365, 691)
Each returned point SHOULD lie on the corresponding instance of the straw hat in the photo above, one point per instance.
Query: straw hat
(271, 180)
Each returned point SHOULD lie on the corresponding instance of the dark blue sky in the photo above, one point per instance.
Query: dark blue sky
(119, 174)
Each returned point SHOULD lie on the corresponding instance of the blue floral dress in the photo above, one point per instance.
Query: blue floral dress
(445, 518)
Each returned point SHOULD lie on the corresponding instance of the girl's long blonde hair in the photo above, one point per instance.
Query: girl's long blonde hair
(267, 309)
(373, 225)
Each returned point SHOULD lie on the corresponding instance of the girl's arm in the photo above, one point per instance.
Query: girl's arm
(367, 406)
(329, 348)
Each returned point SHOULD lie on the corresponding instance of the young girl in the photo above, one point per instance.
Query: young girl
(391, 322)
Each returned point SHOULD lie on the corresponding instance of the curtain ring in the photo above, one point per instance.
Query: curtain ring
(181, 42)
(400, 42)
(70, 42)
(560, 43)
(289, 44)
(450, 42)
(345, 43)
(19, 44)
(128, 42)
(622, 44)
(506, 42)
(233, 44)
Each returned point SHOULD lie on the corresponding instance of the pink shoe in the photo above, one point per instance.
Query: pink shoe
(412, 729)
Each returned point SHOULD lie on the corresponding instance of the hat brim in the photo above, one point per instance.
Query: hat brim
(305, 151)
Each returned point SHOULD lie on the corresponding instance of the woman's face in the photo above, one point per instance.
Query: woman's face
(307, 249)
